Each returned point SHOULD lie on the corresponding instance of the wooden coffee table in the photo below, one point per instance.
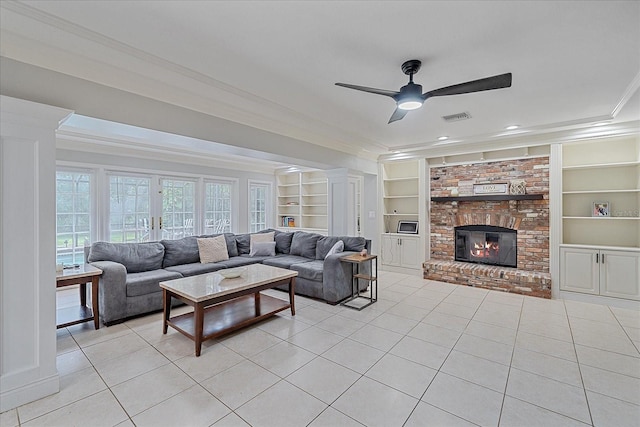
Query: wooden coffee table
(224, 305)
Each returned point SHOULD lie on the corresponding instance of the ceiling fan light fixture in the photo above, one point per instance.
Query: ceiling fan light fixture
(410, 104)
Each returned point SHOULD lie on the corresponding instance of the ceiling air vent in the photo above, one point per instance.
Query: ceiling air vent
(457, 117)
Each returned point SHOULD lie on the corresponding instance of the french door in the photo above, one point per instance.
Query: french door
(146, 208)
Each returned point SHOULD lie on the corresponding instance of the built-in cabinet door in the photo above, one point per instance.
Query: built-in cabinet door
(580, 270)
(409, 252)
(390, 250)
(620, 274)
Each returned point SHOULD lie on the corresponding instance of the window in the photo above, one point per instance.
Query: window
(129, 209)
(259, 205)
(178, 208)
(217, 207)
(74, 215)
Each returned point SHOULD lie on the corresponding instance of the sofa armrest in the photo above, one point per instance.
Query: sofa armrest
(337, 277)
(112, 293)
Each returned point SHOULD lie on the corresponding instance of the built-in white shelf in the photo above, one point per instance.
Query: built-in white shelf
(603, 165)
(633, 190)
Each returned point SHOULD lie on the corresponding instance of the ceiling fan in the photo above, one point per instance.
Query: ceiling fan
(410, 96)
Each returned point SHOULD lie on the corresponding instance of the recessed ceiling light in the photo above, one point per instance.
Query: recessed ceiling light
(443, 138)
(512, 127)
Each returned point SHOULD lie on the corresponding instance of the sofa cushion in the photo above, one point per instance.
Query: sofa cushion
(240, 261)
(243, 242)
(196, 268)
(136, 257)
(213, 249)
(325, 243)
(147, 282)
(284, 261)
(311, 270)
(263, 249)
(180, 251)
(355, 244)
(283, 242)
(304, 244)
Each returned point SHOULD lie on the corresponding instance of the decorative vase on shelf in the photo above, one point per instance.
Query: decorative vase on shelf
(517, 187)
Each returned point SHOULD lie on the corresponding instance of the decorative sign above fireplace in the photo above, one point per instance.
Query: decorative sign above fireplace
(493, 188)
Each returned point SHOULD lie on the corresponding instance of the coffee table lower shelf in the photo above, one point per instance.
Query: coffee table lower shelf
(225, 317)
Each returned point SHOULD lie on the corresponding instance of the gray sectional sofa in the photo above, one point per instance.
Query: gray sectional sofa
(131, 271)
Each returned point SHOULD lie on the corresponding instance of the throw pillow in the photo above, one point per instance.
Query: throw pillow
(260, 237)
(338, 247)
(263, 249)
(213, 249)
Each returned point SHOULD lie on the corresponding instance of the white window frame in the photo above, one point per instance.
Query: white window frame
(93, 193)
(234, 206)
(268, 202)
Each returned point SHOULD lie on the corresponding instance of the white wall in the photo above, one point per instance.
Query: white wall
(27, 267)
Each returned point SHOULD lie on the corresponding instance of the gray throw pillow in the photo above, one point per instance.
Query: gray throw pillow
(338, 247)
(304, 244)
(263, 249)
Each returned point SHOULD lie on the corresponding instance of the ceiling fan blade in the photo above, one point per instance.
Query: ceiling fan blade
(488, 83)
(384, 92)
(398, 115)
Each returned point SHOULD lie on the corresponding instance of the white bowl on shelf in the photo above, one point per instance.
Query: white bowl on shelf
(232, 273)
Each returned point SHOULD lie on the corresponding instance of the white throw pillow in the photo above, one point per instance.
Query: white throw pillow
(338, 247)
(260, 237)
(263, 249)
(213, 249)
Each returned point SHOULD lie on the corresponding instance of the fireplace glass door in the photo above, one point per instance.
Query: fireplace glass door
(485, 244)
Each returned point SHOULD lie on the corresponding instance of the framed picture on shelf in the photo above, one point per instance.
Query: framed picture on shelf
(600, 209)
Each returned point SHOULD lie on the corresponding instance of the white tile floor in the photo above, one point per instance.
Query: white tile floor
(426, 354)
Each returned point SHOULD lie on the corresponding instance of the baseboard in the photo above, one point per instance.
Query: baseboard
(403, 270)
(599, 299)
(29, 392)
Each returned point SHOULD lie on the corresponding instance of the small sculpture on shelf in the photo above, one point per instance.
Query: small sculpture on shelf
(517, 186)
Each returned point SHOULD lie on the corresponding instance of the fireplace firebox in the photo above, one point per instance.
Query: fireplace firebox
(486, 244)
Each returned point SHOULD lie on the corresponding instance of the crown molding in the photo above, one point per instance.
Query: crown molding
(520, 140)
(226, 103)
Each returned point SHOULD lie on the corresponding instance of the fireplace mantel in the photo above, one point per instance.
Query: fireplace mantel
(489, 197)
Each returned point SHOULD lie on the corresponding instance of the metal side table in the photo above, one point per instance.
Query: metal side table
(357, 261)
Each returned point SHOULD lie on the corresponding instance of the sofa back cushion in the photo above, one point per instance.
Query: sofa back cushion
(180, 251)
(304, 244)
(352, 243)
(325, 243)
(185, 250)
(135, 257)
(243, 241)
(283, 242)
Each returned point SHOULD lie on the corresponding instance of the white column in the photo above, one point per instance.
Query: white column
(555, 217)
(27, 265)
(337, 200)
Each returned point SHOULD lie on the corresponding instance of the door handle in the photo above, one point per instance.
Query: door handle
(160, 222)
(602, 258)
(597, 258)
(153, 222)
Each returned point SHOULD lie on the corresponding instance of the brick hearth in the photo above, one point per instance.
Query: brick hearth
(529, 217)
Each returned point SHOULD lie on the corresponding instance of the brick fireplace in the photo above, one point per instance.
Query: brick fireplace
(529, 219)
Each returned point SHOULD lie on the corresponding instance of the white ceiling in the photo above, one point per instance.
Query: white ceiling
(273, 65)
